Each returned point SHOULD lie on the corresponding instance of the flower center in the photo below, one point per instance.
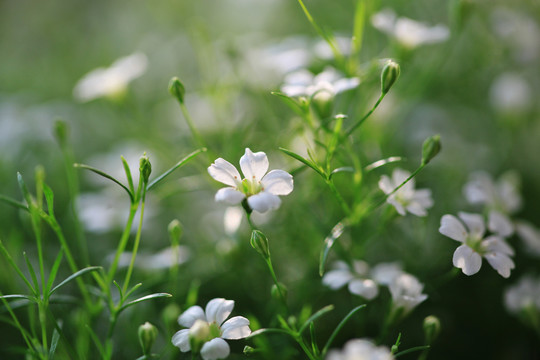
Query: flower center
(475, 243)
(215, 331)
(251, 187)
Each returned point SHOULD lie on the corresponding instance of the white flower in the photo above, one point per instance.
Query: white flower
(304, 83)
(530, 236)
(360, 349)
(468, 256)
(524, 294)
(357, 279)
(408, 32)
(406, 292)
(510, 93)
(217, 310)
(407, 198)
(111, 81)
(502, 195)
(261, 189)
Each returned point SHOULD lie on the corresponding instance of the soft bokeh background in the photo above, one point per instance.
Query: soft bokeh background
(478, 90)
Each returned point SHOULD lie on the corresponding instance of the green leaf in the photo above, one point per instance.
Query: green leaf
(24, 190)
(144, 298)
(340, 325)
(342, 169)
(336, 232)
(13, 202)
(8, 257)
(178, 165)
(416, 348)
(290, 102)
(127, 170)
(379, 163)
(49, 199)
(18, 296)
(32, 272)
(267, 330)
(315, 316)
(106, 176)
(54, 343)
(54, 270)
(305, 161)
(135, 287)
(96, 341)
(74, 276)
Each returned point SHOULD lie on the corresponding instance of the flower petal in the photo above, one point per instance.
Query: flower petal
(475, 223)
(254, 165)
(217, 310)
(399, 206)
(494, 244)
(398, 177)
(181, 340)
(224, 172)
(188, 317)
(453, 228)
(215, 349)
(264, 201)
(278, 182)
(385, 273)
(235, 328)
(500, 262)
(530, 236)
(229, 195)
(336, 279)
(500, 224)
(386, 185)
(467, 260)
(366, 288)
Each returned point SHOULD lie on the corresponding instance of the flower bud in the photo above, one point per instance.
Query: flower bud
(432, 328)
(248, 350)
(175, 229)
(389, 75)
(60, 131)
(145, 168)
(176, 88)
(323, 103)
(198, 334)
(259, 242)
(147, 336)
(275, 292)
(430, 148)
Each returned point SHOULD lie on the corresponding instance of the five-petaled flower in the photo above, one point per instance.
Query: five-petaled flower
(406, 198)
(468, 256)
(259, 189)
(217, 329)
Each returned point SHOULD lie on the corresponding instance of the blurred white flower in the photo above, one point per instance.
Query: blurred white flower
(360, 349)
(260, 189)
(357, 279)
(510, 93)
(305, 83)
(468, 256)
(408, 32)
(406, 292)
(530, 236)
(232, 219)
(111, 81)
(324, 51)
(406, 199)
(522, 295)
(214, 315)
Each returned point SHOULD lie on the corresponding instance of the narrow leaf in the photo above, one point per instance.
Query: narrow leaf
(135, 287)
(127, 170)
(144, 298)
(290, 102)
(315, 316)
(267, 330)
(305, 161)
(178, 165)
(18, 296)
(54, 343)
(379, 163)
(49, 198)
(13, 202)
(8, 257)
(338, 328)
(54, 270)
(336, 232)
(106, 176)
(24, 189)
(74, 276)
(342, 169)
(32, 272)
(417, 348)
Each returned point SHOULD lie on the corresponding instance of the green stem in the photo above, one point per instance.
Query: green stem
(192, 127)
(43, 323)
(276, 282)
(18, 324)
(304, 347)
(34, 214)
(338, 196)
(383, 200)
(361, 121)
(137, 241)
(123, 241)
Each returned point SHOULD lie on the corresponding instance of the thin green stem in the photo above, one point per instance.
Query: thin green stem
(37, 232)
(361, 121)
(304, 347)
(43, 323)
(338, 196)
(137, 241)
(17, 323)
(191, 126)
(123, 241)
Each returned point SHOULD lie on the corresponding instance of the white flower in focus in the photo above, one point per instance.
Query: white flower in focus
(408, 32)
(525, 294)
(261, 189)
(357, 279)
(406, 199)
(215, 313)
(530, 236)
(304, 83)
(502, 195)
(360, 349)
(406, 292)
(468, 256)
(111, 81)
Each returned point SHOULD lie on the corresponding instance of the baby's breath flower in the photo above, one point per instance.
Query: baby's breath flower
(260, 189)
(213, 346)
(360, 349)
(406, 292)
(522, 295)
(530, 236)
(304, 83)
(501, 195)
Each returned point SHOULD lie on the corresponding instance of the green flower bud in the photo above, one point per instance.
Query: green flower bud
(60, 131)
(432, 328)
(248, 350)
(176, 230)
(430, 148)
(199, 333)
(147, 336)
(259, 242)
(176, 88)
(274, 291)
(389, 75)
(145, 168)
(323, 103)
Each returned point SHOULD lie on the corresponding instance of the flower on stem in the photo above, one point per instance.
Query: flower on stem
(530, 236)
(406, 199)
(304, 83)
(360, 349)
(406, 292)
(470, 232)
(525, 294)
(212, 342)
(259, 189)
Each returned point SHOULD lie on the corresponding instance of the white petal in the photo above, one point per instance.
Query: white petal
(217, 310)
(417, 209)
(475, 223)
(336, 279)
(366, 288)
(500, 224)
(278, 182)
(235, 328)
(467, 260)
(229, 195)
(480, 189)
(530, 236)
(215, 349)
(224, 172)
(385, 273)
(386, 185)
(453, 228)
(399, 206)
(181, 340)
(500, 262)
(399, 176)
(188, 317)
(423, 197)
(346, 84)
(264, 201)
(254, 165)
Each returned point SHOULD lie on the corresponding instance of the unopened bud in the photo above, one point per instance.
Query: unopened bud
(389, 75)
(199, 333)
(430, 148)
(145, 168)
(176, 88)
(259, 242)
(323, 103)
(147, 336)
(278, 292)
(60, 131)
(248, 350)
(175, 229)
(432, 328)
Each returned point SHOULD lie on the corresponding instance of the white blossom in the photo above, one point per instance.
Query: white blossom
(111, 81)
(215, 313)
(360, 349)
(501, 195)
(305, 83)
(259, 188)
(357, 279)
(406, 199)
(530, 236)
(524, 294)
(408, 32)
(406, 292)
(469, 230)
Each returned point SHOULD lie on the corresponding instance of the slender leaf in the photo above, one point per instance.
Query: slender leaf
(144, 298)
(54, 270)
(19, 296)
(358, 30)
(24, 189)
(13, 202)
(305, 161)
(32, 272)
(127, 170)
(17, 269)
(178, 165)
(54, 343)
(342, 169)
(135, 287)
(292, 103)
(315, 316)
(49, 198)
(120, 292)
(96, 341)
(268, 330)
(336, 232)
(74, 276)
(340, 325)
(105, 175)
(417, 348)
(379, 163)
